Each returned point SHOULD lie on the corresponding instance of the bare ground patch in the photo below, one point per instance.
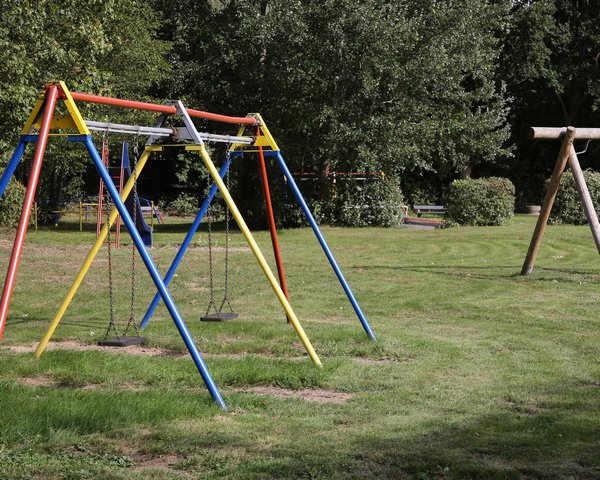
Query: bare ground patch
(135, 350)
(47, 381)
(309, 395)
(381, 361)
(82, 347)
(37, 381)
(142, 351)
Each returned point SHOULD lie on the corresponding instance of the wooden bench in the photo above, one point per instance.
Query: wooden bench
(433, 209)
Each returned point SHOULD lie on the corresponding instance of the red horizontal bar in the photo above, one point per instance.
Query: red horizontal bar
(171, 110)
(221, 118)
(117, 102)
(341, 174)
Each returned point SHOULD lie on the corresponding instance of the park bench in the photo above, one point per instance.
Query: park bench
(432, 209)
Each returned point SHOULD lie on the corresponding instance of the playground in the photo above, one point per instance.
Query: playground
(477, 371)
(195, 363)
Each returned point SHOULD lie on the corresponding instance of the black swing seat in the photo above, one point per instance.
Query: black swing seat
(124, 341)
(218, 317)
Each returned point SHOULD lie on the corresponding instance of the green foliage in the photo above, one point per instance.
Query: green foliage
(567, 206)
(550, 65)
(184, 205)
(482, 201)
(375, 201)
(103, 46)
(349, 85)
(372, 203)
(11, 203)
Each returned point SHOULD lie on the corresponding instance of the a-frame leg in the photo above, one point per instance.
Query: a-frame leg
(584, 195)
(152, 270)
(12, 165)
(542, 221)
(330, 257)
(9, 283)
(186, 242)
(259, 256)
(264, 180)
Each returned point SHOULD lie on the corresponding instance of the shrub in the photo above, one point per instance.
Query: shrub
(567, 206)
(482, 201)
(375, 202)
(348, 202)
(11, 203)
(184, 205)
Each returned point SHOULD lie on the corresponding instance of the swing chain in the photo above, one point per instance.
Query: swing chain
(131, 322)
(211, 303)
(112, 326)
(226, 298)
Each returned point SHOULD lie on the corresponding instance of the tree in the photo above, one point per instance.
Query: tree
(350, 85)
(550, 64)
(103, 46)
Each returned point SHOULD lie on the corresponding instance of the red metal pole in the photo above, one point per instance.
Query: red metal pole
(9, 283)
(118, 102)
(271, 217)
(171, 110)
(100, 207)
(221, 118)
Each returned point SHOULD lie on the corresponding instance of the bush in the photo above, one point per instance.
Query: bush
(11, 203)
(567, 206)
(184, 205)
(348, 202)
(482, 201)
(375, 202)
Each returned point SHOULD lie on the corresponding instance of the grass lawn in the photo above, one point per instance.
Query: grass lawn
(477, 371)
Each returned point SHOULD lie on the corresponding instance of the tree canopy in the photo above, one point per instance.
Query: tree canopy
(426, 91)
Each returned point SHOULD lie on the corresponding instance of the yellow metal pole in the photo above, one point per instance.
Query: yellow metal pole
(90, 258)
(259, 256)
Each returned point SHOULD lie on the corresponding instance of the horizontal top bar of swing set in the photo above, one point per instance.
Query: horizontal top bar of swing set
(170, 109)
(555, 133)
(176, 133)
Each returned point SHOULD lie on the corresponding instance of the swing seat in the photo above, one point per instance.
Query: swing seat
(218, 317)
(125, 341)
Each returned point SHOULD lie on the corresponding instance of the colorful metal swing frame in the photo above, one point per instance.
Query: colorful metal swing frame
(258, 141)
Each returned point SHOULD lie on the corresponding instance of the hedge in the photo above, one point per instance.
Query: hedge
(11, 203)
(567, 206)
(481, 201)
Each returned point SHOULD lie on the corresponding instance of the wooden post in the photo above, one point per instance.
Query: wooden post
(538, 233)
(584, 194)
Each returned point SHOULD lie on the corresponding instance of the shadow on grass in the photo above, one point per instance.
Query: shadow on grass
(549, 440)
(568, 275)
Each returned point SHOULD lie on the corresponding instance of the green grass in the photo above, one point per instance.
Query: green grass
(477, 371)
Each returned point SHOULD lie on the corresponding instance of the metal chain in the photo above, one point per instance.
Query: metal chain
(131, 322)
(112, 326)
(226, 298)
(209, 219)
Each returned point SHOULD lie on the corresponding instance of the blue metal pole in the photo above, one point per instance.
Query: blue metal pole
(164, 293)
(186, 242)
(12, 165)
(315, 227)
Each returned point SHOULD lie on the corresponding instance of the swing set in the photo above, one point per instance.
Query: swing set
(253, 137)
(566, 156)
